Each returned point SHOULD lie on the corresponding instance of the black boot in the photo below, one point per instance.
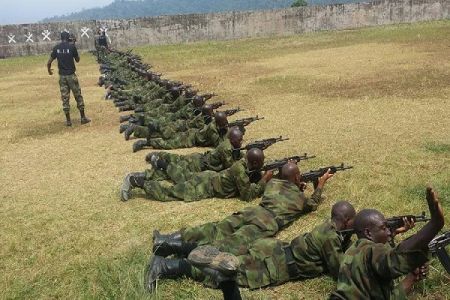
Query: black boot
(84, 119)
(123, 127)
(68, 121)
(131, 181)
(124, 118)
(129, 131)
(167, 244)
(160, 267)
(139, 145)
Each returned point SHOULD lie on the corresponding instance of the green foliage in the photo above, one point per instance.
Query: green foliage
(298, 3)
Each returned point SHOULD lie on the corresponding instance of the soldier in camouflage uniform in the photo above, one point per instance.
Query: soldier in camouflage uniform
(230, 183)
(209, 136)
(371, 265)
(66, 53)
(268, 261)
(179, 168)
(283, 202)
(167, 129)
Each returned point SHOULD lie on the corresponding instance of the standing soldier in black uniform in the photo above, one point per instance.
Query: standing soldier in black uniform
(65, 52)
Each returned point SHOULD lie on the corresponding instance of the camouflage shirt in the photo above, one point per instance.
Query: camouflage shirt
(234, 182)
(319, 251)
(208, 136)
(221, 157)
(368, 271)
(287, 202)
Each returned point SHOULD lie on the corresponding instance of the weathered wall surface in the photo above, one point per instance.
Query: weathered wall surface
(29, 39)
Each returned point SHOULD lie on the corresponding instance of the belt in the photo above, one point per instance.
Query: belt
(293, 270)
(274, 215)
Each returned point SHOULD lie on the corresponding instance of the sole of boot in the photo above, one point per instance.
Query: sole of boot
(125, 189)
(211, 257)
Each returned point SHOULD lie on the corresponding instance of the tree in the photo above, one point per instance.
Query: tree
(298, 3)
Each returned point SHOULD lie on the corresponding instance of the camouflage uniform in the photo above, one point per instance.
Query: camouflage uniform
(168, 129)
(368, 271)
(208, 136)
(266, 261)
(281, 204)
(181, 168)
(232, 182)
(69, 83)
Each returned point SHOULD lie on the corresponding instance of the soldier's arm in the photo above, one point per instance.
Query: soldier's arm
(247, 190)
(332, 254)
(75, 54)
(50, 60)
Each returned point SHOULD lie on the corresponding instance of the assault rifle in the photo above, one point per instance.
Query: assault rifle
(241, 123)
(263, 144)
(314, 175)
(208, 96)
(281, 162)
(437, 246)
(230, 112)
(255, 175)
(395, 222)
(216, 105)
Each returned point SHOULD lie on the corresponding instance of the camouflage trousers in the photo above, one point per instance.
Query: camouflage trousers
(178, 171)
(197, 188)
(236, 232)
(69, 83)
(263, 265)
(165, 130)
(181, 140)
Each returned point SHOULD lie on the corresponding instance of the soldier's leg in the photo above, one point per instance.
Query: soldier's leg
(141, 132)
(156, 174)
(217, 231)
(184, 169)
(76, 90)
(65, 95)
(182, 140)
(259, 223)
(264, 264)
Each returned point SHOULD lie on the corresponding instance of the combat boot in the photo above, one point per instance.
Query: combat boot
(124, 118)
(167, 244)
(139, 145)
(211, 257)
(131, 181)
(152, 158)
(84, 119)
(123, 127)
(68, 121)
(129, 131)
(160, 267)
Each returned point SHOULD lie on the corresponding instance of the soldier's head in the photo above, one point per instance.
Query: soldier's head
(64, 36)
(235, 136)
(72, 38)
(343, 214)
(255, 159)
(189, 93)
(198, 101)
(291, 173)
(371, 224)
(207, 110)
(221, 122)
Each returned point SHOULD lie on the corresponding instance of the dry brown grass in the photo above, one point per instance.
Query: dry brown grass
(375, 98)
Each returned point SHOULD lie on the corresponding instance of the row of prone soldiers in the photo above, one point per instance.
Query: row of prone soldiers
(241, 250)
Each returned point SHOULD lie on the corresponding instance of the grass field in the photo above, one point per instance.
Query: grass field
(376, 98)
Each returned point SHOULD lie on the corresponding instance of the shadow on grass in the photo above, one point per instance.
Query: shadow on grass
(42, 130)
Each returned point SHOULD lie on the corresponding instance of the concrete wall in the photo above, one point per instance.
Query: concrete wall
(232, 25)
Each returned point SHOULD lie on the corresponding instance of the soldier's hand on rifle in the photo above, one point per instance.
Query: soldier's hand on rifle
(408, 224)
(267, 176)
(324, 178)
